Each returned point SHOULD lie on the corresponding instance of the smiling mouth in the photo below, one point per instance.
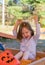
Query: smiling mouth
(10, 60)
(26, 36)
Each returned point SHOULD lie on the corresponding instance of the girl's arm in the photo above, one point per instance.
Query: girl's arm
(37, 35)
(15, 29)
(18, 22)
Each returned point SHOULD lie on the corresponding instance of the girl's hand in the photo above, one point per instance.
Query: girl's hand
(19, 21)
(35, 17)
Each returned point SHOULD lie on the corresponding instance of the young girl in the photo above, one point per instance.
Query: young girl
(28, 39)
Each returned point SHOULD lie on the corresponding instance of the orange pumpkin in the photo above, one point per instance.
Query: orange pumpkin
(6, 58)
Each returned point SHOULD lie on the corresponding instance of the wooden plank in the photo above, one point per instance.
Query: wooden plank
(7, 35)
(38, 54)
(13, 51)
(39, 62)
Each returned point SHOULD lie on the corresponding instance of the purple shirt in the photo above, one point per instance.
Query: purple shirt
(30, 44)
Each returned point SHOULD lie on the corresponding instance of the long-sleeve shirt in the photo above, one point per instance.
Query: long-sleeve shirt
(30, 44)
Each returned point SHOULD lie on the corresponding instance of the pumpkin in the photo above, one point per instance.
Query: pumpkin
(6, 58)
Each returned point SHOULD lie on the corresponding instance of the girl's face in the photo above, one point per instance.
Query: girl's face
(26, 33)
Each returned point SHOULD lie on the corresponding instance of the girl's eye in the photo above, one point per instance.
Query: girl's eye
(24, 33)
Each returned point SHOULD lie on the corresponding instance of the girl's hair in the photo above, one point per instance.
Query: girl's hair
(27, 25)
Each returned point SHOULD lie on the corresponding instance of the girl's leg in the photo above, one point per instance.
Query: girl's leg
(32, 56)
(19, 55)
(26, 55)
